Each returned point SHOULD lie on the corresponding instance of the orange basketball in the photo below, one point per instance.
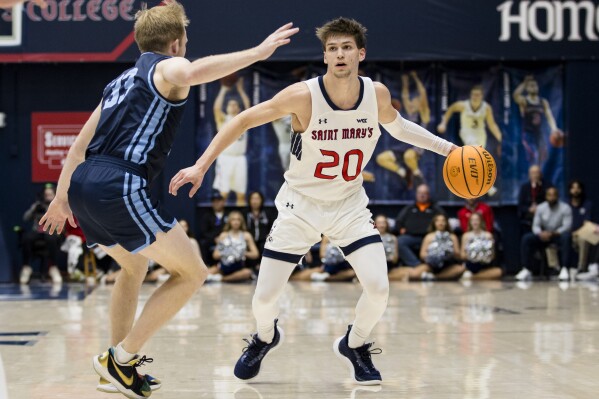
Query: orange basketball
(469, 171)
(557, 138)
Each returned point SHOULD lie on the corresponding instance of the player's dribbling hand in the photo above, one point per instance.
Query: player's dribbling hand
(58, 212)
(193, 175)
(278, 38)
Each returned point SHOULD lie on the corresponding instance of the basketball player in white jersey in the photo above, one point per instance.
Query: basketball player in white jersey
(231, 166)
(475, 115)
(335, 120)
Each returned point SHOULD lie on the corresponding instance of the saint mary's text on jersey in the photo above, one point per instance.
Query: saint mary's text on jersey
(346, 134)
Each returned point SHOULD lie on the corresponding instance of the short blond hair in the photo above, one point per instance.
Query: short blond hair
(157, 27)
(342, 27)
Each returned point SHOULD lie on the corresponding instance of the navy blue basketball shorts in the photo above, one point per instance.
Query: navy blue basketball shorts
(111, 200)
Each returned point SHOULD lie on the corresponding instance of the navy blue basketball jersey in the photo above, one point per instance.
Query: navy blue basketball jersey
(137, 124)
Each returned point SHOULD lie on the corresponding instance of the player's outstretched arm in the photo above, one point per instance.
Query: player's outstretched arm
(453, 108)
(404, 130)
(284, 103)
(490, 119)
(549, 116)
(182, 73)
(425, 111)
(59, 210)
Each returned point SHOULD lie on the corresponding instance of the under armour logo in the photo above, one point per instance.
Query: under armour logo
(289, 205)
(321, 121)
(362, 120)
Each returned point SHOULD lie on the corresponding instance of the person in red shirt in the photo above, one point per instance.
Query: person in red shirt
(471, 206)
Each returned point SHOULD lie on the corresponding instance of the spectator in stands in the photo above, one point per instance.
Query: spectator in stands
(233, 246)
(389, 241)
(581, 212)
(36, 236)
(440, 252)
(478, 246)
(475, 205)
(531, 194)
(211, 225)
(412, 224)
(551, 225)
(259, 223)
(593, 257)
(334, 266)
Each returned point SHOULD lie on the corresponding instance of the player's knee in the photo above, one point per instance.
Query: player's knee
(378, 290)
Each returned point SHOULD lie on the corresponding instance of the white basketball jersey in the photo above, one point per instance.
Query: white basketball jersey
(472, 124)
(328, 158)
(240, 146)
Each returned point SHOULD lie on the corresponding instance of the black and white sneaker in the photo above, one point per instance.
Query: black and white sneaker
(248, 365)
(359, 360)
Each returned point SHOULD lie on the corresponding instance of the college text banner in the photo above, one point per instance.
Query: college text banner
(101, 30)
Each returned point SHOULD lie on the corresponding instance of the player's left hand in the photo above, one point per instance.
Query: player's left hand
(57, 214)
(194, 175)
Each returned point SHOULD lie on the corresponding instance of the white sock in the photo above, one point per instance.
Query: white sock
(121, 355)
(370, 265)
(272, 280)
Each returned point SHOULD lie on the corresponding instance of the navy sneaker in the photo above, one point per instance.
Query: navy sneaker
(248, 365)
(359, 360)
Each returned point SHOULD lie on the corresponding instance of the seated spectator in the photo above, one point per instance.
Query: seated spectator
(259, 223)
(551, 225)
(36, 234)
(476, 205)
(73, 246)
(530, 195)
(211, 225)
(591, 252)
(581, 212)
(233, 246)
(478, 251)
(440, 252)
(412, 224)
(334, 266)
(389, 241)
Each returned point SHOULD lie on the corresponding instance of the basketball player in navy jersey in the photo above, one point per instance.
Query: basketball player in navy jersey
(335, 120)
(106, 178)
(532, 109)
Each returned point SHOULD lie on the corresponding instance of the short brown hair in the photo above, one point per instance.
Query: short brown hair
(157, 27)
(342, 26)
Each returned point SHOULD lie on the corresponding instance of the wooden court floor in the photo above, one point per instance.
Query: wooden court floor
(439, 340)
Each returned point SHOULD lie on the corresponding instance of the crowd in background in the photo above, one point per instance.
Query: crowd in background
(421, 242)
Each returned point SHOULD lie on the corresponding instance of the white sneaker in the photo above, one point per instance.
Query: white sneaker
(426, 276)
(319, 276)
(25, 274)
(563, 274)
(55, 275)
(573, 272)
(214, 278)
(492, 191)
(591, 274)
(467, 275)
(401, 172)
(523, 274)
